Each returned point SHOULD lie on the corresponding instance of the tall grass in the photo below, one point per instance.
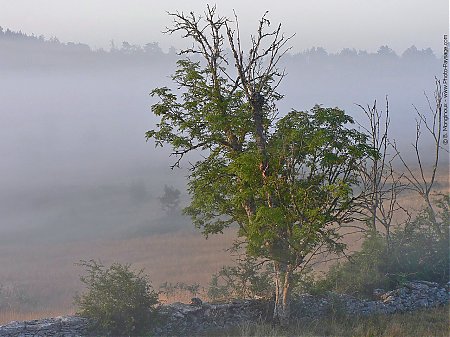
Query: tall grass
(47, 274)
(430, 322)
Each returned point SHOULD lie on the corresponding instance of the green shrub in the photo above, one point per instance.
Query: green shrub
(418, 251)
(359, 276)
(421, 250)
(117, 300)
(246, 280)
(251, 279)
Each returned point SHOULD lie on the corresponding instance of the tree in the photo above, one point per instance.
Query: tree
(170, 200)
(401, 243)
(421, 182)
(381, 183)
(286, 182)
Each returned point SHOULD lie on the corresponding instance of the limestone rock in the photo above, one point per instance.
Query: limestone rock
(63, 326)
(198, 317)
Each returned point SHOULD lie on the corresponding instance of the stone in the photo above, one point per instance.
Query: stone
(199, 318)
(195, 301)
(63, 326)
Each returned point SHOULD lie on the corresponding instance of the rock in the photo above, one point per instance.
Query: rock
(195, 301)
(63, 326)
(199, 318)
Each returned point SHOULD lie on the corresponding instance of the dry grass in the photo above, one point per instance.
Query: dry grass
(431, 322)
(7, 316)
(48, 278)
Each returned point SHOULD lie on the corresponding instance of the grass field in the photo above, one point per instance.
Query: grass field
(44, 278)
(47, 278)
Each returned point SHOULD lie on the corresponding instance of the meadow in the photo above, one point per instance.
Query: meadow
(39, 279)
(44, 277)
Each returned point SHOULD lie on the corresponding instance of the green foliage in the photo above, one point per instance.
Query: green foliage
(205, 114)
(288, 183)
(417, 252)
(248, 279)
(421, 249)
(312, 157)
(117, 300)
(364, 272)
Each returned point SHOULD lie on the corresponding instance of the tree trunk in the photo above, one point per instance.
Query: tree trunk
(283, 277)
(432, 215)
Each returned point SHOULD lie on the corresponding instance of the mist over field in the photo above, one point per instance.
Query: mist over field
(79, 181)
(75, 163)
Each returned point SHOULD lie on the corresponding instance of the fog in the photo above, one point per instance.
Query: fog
(74, 160)
(328, 23)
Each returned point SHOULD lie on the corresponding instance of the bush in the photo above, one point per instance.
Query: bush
(117, 301)
(359, 276)
(419, 251)
(247, 279)
(251, 279)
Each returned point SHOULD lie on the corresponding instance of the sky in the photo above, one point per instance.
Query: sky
(332, 24)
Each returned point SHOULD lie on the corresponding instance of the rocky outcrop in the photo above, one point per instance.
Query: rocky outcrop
(63, 326)
(412, 296)
(197, 317)
(190, 319)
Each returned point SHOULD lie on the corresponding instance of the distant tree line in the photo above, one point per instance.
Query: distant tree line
(19, 49)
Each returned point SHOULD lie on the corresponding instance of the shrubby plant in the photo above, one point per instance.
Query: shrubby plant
(118, 301)
(419, 251)
(399, 246)
(361, 274)
(248, 279)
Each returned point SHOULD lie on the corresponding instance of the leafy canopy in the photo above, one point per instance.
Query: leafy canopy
(312, 156)
(286, 182)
